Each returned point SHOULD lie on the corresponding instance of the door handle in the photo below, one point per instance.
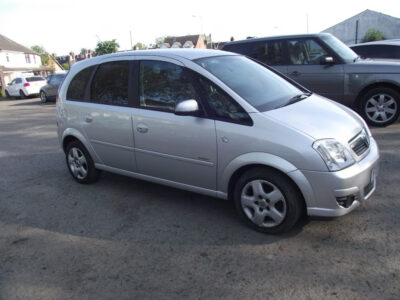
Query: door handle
(142, 128)
(295, 73)
(88, 119)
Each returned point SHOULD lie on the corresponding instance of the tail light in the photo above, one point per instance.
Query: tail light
(27, 84)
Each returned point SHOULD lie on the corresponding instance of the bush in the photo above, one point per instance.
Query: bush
(373, 35)
(65, 66)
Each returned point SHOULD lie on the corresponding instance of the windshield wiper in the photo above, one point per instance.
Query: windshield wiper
(298, 98)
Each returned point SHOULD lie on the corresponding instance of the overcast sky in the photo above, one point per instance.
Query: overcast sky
(63, 26)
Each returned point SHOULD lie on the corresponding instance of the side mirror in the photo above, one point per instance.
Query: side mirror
(327, 60)
(187, 108)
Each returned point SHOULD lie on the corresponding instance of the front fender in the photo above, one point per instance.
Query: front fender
(269, 160)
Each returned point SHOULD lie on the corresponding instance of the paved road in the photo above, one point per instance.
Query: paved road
(127, 239)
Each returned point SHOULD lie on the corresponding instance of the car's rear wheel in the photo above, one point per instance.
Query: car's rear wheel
(80, 164)
(380, 106)
(43, 97)
(267, 200)
(22, 94)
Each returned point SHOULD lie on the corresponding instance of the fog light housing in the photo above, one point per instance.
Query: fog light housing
(346, 201)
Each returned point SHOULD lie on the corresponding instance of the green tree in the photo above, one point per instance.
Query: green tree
(65, 66)
(44, 56)
(373, 35)
(106, 47)
(140, 46)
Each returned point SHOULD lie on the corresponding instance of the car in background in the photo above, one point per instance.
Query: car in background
(25, 86)
(387, 49)
(49, 91)
(325, 65)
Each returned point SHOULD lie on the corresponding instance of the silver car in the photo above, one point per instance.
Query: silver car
(218, 124)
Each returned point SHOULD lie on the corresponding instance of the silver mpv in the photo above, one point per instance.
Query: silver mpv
(218, 124)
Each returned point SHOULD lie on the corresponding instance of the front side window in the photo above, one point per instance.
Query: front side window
(77, 87)
(162, 85)
(222, 106)
(305, 52)
(110, 84)
(260, 87)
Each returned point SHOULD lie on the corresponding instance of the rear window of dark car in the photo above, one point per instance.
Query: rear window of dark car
(31, 79)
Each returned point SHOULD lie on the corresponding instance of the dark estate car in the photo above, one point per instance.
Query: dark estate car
(328, 67)
(49, 91)
(388, 49)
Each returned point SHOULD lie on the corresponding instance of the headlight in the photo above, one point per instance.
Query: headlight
(335, 155)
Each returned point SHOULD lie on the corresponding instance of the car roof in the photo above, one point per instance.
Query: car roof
(394, 42)
(277, 37)
(190, 54)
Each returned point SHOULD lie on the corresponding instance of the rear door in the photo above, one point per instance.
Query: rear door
(306, 66)
(100, 95)
(176, 148)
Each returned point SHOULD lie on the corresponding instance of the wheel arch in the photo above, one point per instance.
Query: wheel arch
(253, 160)
(71, 134)
(372, 85)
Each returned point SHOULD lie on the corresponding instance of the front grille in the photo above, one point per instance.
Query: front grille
(360, 143)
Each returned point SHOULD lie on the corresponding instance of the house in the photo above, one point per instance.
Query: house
(187, 41)
(17, 60)
(353, 30)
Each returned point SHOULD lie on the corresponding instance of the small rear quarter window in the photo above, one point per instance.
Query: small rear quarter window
(77, 87)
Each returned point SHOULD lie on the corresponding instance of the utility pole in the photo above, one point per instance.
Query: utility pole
(130, 34)
(307, 21)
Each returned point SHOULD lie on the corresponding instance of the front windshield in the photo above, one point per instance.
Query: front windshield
(341, 49)
(260, 87)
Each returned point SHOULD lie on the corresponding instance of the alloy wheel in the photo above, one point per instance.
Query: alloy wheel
(77, 163)
(381, 108)
(263, 203)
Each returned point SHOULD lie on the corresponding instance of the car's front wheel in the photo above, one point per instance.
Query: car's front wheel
(80, 164)
(43, 97)
(380, 106)
(8, 94)
(267, 200)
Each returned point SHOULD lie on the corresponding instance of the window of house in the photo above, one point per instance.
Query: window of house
(77, 87)
(110, 84)
(27, 58)
(7, 57)
(305, 52)
(162, 85)
(34, 59)
(222, 106)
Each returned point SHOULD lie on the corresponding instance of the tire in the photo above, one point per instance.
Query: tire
(380, 106)
(8, 95)
(43, 97)
(22, 94)
(80, 164)
(268, 201)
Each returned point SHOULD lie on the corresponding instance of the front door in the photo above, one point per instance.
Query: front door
(307, 68)
(177, 148)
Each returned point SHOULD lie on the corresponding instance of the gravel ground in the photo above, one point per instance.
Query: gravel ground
(122, 238)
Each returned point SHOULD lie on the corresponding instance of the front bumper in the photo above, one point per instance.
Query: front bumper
(356, 182)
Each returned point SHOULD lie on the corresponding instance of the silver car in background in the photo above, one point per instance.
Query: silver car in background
(218, 124)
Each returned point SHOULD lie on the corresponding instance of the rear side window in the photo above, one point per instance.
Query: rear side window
(268, 52)
(110, 84)
(30, 79)
(162, 85)
(77, 86)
